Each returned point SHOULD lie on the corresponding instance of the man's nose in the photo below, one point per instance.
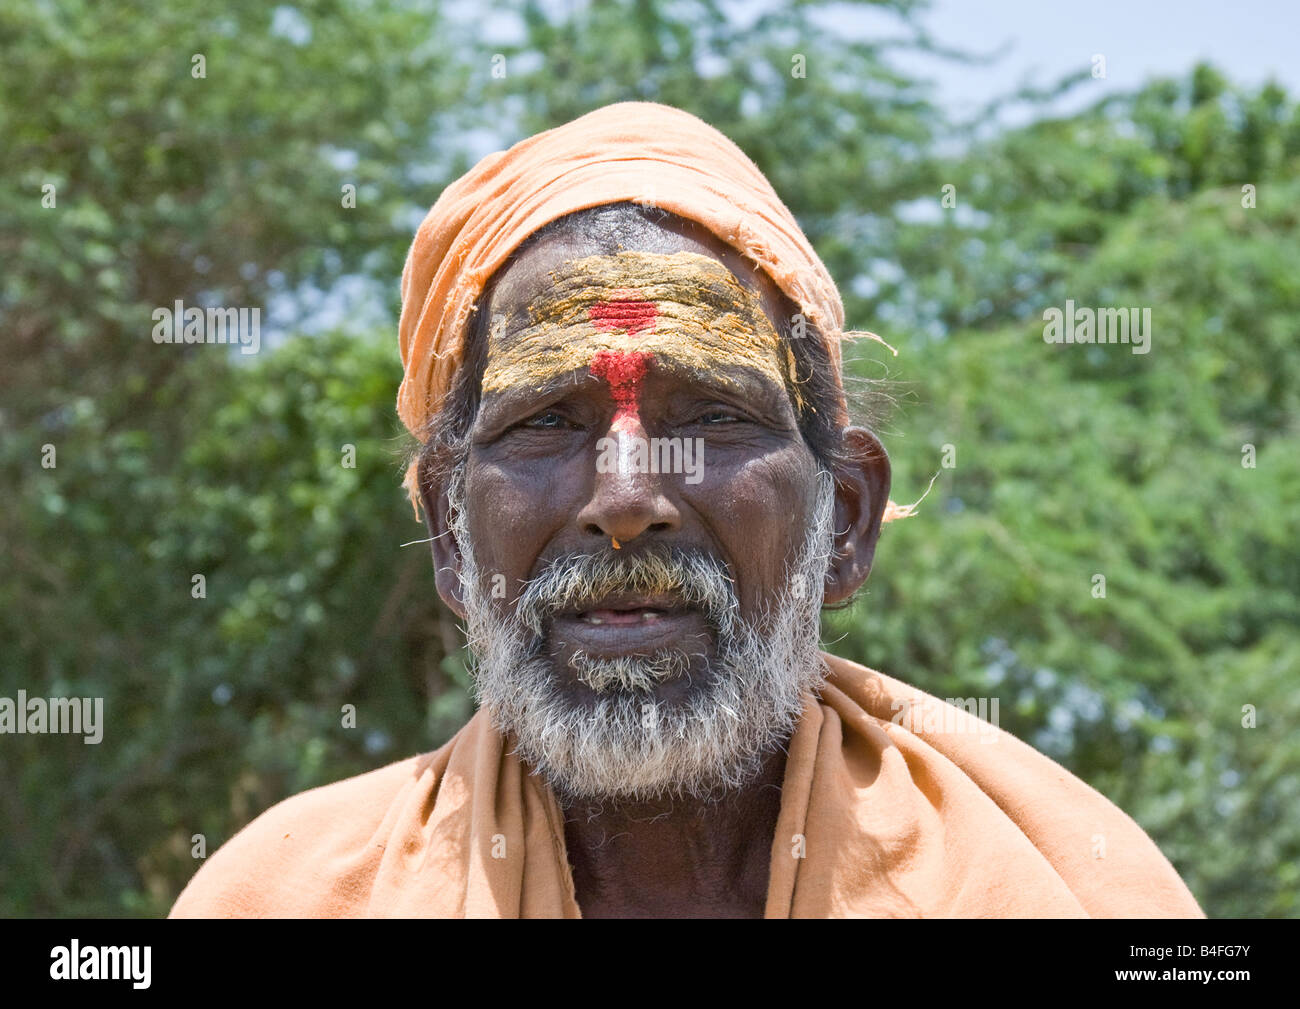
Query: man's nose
(627, 499)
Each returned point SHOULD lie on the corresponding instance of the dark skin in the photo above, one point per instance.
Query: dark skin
(533, 493)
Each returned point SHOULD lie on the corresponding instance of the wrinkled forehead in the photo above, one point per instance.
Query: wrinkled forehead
(529, 274)
(677, 305)
(678, 313)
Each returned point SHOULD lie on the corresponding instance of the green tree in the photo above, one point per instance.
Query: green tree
(276, 477)
(1172, 474)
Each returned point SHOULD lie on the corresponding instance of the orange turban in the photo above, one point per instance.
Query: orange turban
(630, 151)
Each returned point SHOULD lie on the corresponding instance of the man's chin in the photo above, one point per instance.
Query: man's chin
(699, 734)
(669, 677)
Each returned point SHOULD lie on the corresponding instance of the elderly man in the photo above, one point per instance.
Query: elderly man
(641, 483)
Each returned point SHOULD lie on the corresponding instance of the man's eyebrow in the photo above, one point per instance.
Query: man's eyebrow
(736, 382)
(515, 397)
(749, 386)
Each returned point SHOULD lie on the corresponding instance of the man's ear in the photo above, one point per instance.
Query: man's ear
(445, 549)
(861, 492)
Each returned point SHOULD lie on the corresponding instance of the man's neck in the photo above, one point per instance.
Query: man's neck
(677, 857)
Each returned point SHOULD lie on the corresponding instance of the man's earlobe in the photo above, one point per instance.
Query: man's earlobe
(862, 481)
(442, 544)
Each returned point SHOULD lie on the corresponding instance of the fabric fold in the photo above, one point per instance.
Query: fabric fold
(876, 820)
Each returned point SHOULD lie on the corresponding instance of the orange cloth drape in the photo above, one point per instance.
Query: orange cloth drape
(886, 822)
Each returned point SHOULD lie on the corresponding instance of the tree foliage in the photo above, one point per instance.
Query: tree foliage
(276, 477)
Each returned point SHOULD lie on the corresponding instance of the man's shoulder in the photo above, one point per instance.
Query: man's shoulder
(301, 857)
(1107, 859)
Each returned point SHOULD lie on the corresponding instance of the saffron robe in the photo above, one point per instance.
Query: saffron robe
(881, 816)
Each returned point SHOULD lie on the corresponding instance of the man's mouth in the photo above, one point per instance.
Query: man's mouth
(628, 610)
(630, 625)
(623, 617)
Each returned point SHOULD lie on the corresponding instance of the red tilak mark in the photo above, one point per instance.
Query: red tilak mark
(633, 316)
(623, 370)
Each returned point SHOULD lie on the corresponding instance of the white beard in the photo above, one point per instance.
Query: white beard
(626, 745)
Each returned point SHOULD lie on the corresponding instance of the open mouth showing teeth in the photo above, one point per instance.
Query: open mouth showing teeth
(622, 617)
(628, 610)
(622, 625)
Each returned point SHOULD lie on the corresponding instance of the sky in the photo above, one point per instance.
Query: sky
(1034, 41)
(1249, 40)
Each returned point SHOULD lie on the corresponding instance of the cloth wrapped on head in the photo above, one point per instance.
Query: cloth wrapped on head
(627, 152)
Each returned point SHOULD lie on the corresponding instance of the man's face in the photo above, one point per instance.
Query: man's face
(612, 603)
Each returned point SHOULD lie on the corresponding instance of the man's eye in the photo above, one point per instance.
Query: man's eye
(548, 418)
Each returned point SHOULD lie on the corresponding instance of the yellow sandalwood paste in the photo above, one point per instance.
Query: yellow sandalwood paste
(619, 314)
